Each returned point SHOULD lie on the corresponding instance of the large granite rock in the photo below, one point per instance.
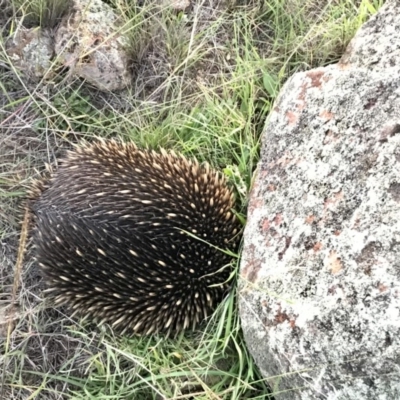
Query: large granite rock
(319, 290)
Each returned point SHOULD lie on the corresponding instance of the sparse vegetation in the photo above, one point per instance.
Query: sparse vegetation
(44, 13)
(205, 81)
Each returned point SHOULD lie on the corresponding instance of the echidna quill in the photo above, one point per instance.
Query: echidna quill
(133, 237)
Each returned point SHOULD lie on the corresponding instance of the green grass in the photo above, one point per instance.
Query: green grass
(205, 82)
(46, 13)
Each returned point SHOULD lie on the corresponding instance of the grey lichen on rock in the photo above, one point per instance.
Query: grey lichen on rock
(31, 51)
(319, 289)
(90, 42)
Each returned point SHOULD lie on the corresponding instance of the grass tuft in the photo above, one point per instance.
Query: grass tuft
(43, 13)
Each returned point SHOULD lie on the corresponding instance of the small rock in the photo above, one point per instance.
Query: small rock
(88, 42)
(178, 5)
(31, 51)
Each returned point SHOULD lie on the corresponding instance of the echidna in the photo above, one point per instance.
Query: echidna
(135, 238)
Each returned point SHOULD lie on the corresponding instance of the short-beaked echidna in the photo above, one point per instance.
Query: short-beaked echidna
(133, 238)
